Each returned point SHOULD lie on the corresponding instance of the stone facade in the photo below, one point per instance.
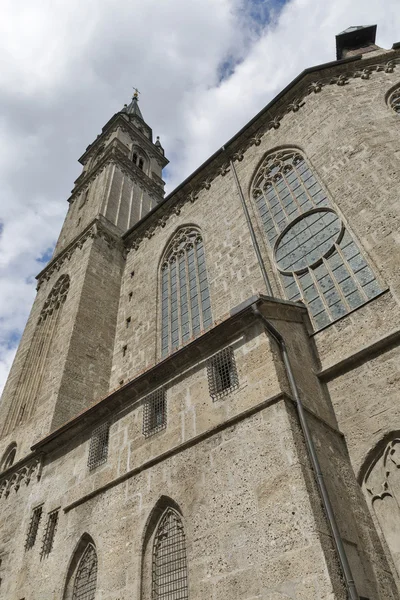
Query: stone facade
(98, 480)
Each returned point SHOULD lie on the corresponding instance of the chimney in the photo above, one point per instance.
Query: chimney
(355, 41)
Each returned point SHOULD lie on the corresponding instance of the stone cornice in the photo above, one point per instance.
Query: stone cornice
(96, 228)
(116, 153)
(290, 100)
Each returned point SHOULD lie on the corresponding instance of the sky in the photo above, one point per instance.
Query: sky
(203, 67)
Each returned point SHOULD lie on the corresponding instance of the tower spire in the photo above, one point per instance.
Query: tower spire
(133, 109)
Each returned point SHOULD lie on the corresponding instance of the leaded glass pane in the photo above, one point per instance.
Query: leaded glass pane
(318, 260)
(185, 298)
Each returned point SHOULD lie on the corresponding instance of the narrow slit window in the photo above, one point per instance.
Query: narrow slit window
(33, 527)
(49, 534)
(155, 412)
(222, 373)
(98, 449)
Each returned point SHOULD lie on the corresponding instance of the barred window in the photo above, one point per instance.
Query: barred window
(155, 412)
(169, 572)
(185, 297)
(48, 538)
(98, 449)
(317, 258)
(222, 373)
(33, 527)
(86, 575)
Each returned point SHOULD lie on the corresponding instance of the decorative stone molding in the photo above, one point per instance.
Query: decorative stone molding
(94, 230)
(23, 474)
(269, 121)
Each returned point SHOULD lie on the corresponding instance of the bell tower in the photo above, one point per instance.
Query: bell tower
(121, 178)
(63, 363)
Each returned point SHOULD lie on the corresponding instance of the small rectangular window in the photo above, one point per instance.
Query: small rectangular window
(33, 527)
(98, 449)
(48, 538)
(222, 373)
(155, 412)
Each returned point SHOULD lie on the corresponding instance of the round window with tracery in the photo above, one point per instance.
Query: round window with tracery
(307, 240)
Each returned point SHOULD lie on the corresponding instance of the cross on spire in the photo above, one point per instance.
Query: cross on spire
(136, 93)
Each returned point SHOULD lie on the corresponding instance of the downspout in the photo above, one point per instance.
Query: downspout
(344, 563)
(251, 229)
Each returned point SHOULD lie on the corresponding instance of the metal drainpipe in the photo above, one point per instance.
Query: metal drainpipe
(251, 229)
(344, 563)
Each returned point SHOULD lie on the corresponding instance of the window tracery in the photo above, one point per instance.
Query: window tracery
(32, 373)
(394, 101)
(169, 570)
(318, 261)
(185, 297)
(86, 575)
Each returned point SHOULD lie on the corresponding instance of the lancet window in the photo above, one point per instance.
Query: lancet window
(30, 381)
(169, 563)
(185, 297)
(316, 256)
(86, 575)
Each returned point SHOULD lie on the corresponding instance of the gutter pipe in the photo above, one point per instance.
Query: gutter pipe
(344, 563)
(251, 228)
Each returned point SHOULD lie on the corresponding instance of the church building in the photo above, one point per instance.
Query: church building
(205, 401)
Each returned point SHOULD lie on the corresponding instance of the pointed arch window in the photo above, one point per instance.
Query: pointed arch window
(185, 297)
(316, 256)
(82, 573)
(30, 381)
(169, 564)
(86, 575)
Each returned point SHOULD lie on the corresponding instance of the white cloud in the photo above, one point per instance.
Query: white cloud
(66, 67)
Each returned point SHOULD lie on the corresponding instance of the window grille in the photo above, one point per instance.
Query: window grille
(155, 412)
(185, 297)
(86, 576)
(48, 538)
(33, 527)
(98, 449)
(222, 373)
(317, 258)
(169, 572)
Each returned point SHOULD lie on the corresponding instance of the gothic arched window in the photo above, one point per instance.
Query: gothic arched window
(394, 100)
(9, 457)
(33, 370)
(82, 573)
(169, 565)
(185, 298)
(316, 256)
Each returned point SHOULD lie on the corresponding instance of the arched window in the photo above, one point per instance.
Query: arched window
(394, 100)
(134, 158)
(141, 163)
(31, 377)
(317, 258)
(185, 298)
(82, 573)
(9, 457)
(169, 580)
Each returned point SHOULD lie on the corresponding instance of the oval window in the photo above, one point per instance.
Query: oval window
(307, 240)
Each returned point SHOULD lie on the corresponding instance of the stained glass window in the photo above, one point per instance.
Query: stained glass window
(185, 298)
(317, 258)
(169, 571)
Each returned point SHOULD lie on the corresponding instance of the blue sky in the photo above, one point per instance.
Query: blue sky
(204, 68)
